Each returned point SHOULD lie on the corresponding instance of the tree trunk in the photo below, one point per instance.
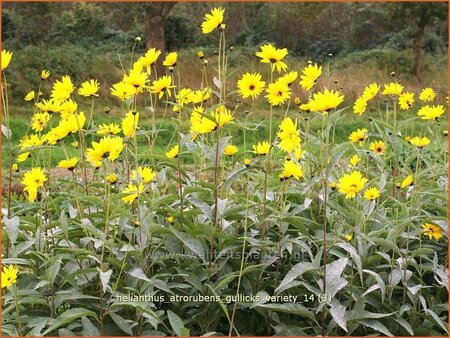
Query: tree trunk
(155, 19)
(418, 44)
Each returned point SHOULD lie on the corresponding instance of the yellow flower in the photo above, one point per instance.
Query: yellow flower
(15, 167)
(73, 123)
(9, 273)
(324, 102)
(162, 86)
(247, 162)
(49, 106)
(355, 160)
(372, 194)
(108, 129)
(288, 78)
(23, 157)
(200, 96)
(261, 148)
(123, 90)
(173, 152)
(277, 93)
(213, 20)
(350, 184)
(39, 121)
(137, 79)
(291, 169)
(270, 54)
(45, 74)
(111, 178)
(332, 185)
(184, 97)
(309, 77)
(360, 105)
(149, 59)
(222, 116)
(89, 88)
(108, 147)
(200, 55)
(68, 108)
(250, 85)
(143, 175)
(392, 88)
(289, 135)
(348, 237)
(201, 124)
(420, 142)
(432, 231)
(62, 89)
(132, 192)
(408, 181)
(378, 147)
(371, 91)
(427, 94)
(6, 58)
(130, 124)
(358, 136)
(170, 60)
(230, 150)
(431, 112)
(29, 96)
(406, 100)
(68, 164)
(32, 180)
(170, 219)
(408, 139)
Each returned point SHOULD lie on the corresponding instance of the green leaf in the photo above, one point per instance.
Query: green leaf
(291, 308)
(68, 317)
(377, 326)
(177, 324)
(89, 329)
(124, 325)
(338, 314)
(193, 244)
(12, 227)
(296, 271)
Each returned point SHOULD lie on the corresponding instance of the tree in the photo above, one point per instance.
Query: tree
(155, 18)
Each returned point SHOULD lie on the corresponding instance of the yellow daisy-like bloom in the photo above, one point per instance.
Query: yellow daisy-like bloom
(173, 152)
(371, 91)
(420, 142)
(29, 141)
(143, 175)
(289, 135)
(170, 219)
(89, 88)
(149, 59)
(222, 116)
(111, 178)
(213, 20)
(32, 180)
(358, 136)
(68, 108)
(201, 124)
(348, 237)
(406, 100)
(137, 79)
(73, 123)
(49, 106)
(432, 231)
(261, 148)
(324, 102)
(170, 60)
(350, 184)
(132, 192)
(427, 95)
(39, 121)
(250, 85)
(68, 164)
(355, 160)
(309, 76)
(130, 124)
(9, 273)
(230, 150)
(184, 97)
(277, 93)
(393, 89)
(108, 147)
(162, 86)
(378, 147)
(408, 181)
(291, 169)
(332, 185)
(45, 74)
(372, 194)
(200, 96)
(123, 90)
(360, 105)
(408, 138)
(288, 78)
(29, 96)
(431, 112)
(247, 162)
(62, 89)
(15, 167)
(23, 157)
(108, 129)
(6, 58)
(272, 55)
